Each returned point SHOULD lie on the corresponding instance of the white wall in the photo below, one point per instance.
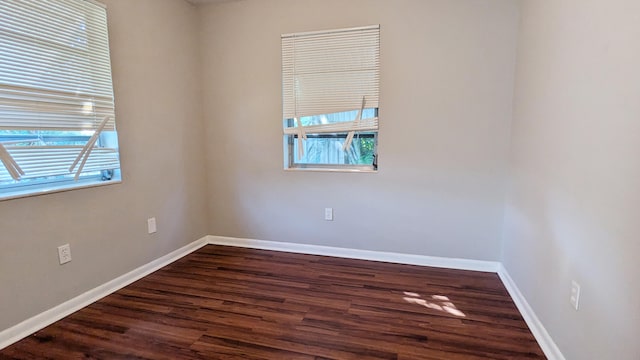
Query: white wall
(574, 194)
(156, 84)
(447, 72)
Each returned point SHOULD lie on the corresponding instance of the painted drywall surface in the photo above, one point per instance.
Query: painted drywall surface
(447, 71)
(154, 58)
(574, 197)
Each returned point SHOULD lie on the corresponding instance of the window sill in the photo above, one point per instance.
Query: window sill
(44, 190)
(315, 169)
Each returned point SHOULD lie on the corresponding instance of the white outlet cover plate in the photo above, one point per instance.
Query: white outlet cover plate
(64, 253)
(328, 214)
(151, 225)
(575, 295)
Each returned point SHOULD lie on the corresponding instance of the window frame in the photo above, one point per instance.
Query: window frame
(44, 147)
(349, 82)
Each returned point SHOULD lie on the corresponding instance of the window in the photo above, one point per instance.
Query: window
(57, 117)
(330, 91)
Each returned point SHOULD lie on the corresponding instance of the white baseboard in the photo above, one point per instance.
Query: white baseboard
(48, 317)
(423, 260)
(538, 330)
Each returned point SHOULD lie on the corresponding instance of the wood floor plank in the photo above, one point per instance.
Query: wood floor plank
(235, 303)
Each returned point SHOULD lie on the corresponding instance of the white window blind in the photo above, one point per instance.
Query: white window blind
(329, 72)
(55, 79)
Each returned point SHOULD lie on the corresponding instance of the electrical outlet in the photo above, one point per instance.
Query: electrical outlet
(64, 253)
(151, 225)
(328, 214)
(575, 294)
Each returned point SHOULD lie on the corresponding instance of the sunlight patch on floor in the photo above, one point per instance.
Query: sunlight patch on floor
(436, 302)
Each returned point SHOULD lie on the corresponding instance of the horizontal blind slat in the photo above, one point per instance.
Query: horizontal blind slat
(336, 128)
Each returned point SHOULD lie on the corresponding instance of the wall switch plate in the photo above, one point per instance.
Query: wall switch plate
(328, 214)
(151, 225)
(64, 253)
(575, 294)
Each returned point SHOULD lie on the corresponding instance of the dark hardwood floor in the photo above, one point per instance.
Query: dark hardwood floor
(234, 303)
